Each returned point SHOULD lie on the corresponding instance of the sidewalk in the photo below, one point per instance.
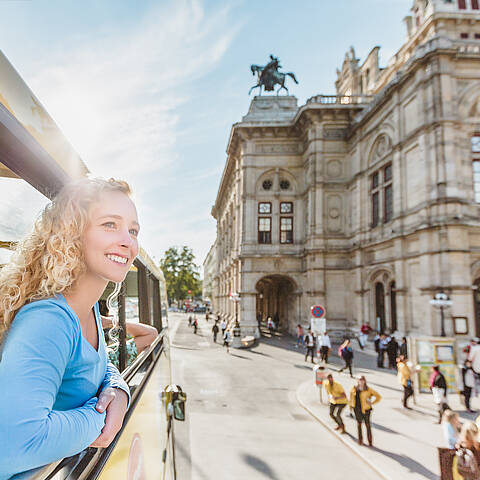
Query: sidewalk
(405, 441)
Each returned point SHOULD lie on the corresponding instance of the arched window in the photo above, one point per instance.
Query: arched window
(393, 308)
(380, 306)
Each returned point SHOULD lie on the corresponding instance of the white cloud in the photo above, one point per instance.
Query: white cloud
(116, 97)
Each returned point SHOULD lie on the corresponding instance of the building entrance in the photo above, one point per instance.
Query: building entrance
(275, 299)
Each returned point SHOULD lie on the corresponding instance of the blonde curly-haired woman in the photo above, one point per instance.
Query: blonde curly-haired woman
(60, 393)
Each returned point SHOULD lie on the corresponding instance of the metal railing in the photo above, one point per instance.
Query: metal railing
(341, 99)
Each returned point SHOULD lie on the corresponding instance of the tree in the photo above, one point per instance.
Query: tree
(181, 273)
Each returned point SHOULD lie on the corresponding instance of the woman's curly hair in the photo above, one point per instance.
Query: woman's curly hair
(50, 259)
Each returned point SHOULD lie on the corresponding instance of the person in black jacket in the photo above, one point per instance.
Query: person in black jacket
(468, 380)
(403, 347)
(392, 352)
(438, 386)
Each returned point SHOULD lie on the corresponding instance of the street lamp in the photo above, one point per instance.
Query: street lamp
(441, 301)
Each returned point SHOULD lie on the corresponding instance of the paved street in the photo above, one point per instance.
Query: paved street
(243, 416)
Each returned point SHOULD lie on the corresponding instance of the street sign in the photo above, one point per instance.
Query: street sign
(318, 311)
(318, 325)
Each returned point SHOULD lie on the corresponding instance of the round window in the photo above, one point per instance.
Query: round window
(267, 184)
(284, 184)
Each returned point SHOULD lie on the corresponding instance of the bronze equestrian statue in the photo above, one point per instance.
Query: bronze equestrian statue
(269, 76)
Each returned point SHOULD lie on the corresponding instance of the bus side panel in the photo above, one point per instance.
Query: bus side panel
(139, 451)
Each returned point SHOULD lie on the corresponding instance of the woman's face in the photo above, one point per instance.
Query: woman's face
(110, 238)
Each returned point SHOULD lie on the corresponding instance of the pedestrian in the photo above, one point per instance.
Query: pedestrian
(223, 326)
(438, 387)
(227, 338)
(403, 349)
(206, 316)
(195, 325)
(468, 452)
(310, 344)
(190, 320)
(270, 325)
(346, 352)
(451, 427)
(300, 334)
(376, 342)
(361, 402)
(215, 332)
(365, 329)
(276, 320)
(468, 382)
(405, 379)
(382, 349)
(392, 352)
(337, 399)
(325, 346)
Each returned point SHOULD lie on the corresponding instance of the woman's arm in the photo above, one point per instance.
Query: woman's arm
(37, 350)
(143, 335)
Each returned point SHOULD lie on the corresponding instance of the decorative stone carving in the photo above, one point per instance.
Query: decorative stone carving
(334, 215)
(381, 146)
(334, 168)
(334, 133)
(276, 148)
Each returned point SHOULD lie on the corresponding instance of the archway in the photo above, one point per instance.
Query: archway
(275, 298)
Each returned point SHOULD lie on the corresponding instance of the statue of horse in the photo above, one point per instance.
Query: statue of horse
(268, 78)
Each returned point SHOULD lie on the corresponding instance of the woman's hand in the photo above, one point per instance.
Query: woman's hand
(114, 401)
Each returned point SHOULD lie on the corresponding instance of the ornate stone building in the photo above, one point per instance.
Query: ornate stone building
(368, 201)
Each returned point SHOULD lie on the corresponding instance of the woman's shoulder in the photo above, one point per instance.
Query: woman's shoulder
(54, 311)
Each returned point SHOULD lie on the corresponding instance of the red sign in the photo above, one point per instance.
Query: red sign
(320, 376)
(318, 311)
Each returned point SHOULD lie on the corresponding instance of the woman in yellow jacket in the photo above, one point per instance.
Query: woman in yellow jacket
(361, 402)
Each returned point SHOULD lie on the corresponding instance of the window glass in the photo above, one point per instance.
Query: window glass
(388, 173)
(375, 180)
(388, 192)
(284, 184)
(286, 207)
(264, 230)
(264, 207)
(286, 230)
(476, 143)
(476, 166)
(375, 209)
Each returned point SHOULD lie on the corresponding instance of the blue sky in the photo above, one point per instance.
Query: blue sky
(148, 90)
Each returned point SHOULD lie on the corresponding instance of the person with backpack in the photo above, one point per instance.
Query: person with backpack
(310, 344)
(215, 330)
(346, 353)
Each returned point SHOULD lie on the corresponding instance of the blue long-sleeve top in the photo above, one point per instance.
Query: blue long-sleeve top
(51, 377)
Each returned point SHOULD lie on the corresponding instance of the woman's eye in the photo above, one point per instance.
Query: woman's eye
(134, 232)
(109, 224)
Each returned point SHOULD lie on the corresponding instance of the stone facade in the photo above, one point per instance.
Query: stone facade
(366, 201)
(209, 272)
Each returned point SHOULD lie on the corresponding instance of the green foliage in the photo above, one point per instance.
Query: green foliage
(181, 273)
